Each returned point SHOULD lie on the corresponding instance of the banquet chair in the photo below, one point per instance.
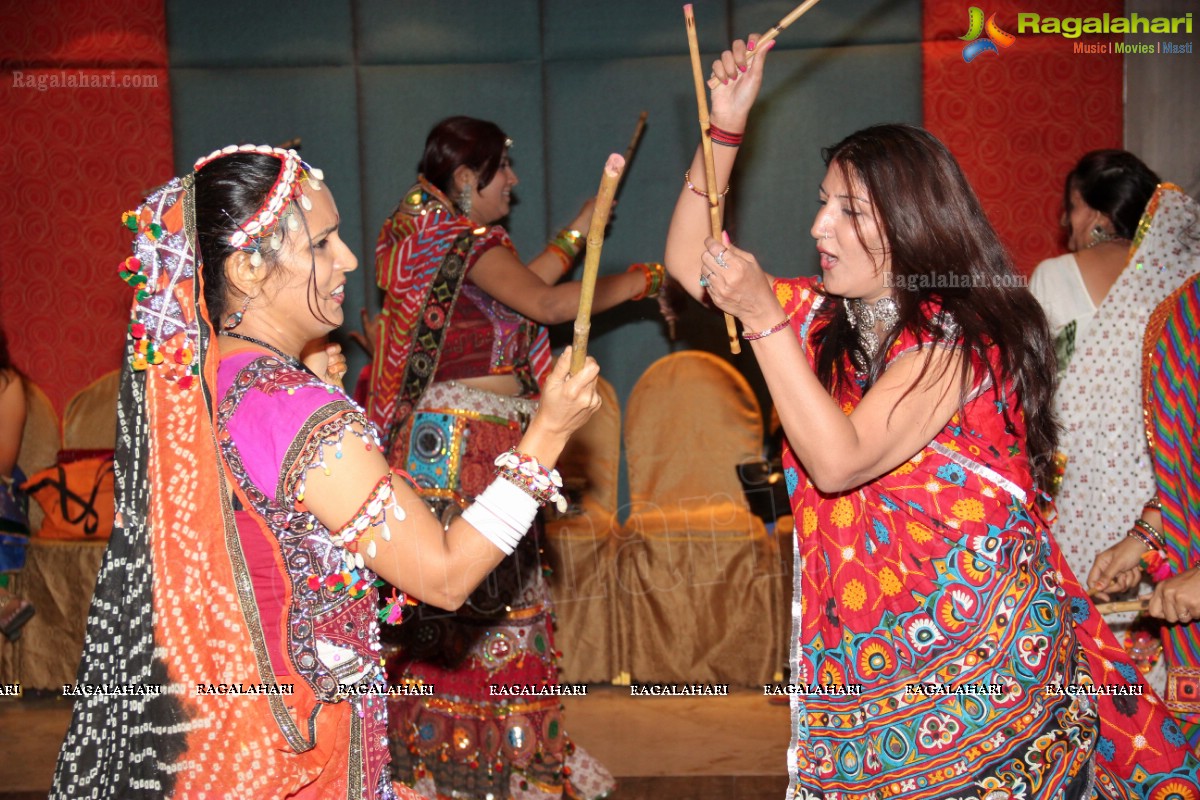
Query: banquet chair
(40, 440)
(581, 545)
(59, 575)
(90, 418)
(700, 578)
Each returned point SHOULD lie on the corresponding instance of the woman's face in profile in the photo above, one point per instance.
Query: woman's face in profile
(309, 283)
(854, 257)
(493, 202)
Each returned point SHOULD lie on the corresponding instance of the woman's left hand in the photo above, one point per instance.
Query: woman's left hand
(737, 284)
(327, 361)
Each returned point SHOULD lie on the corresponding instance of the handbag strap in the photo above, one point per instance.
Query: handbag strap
(87, 513)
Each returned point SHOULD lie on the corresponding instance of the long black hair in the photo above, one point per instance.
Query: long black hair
(229, 190)
(462, 141)
(943, 252)
(1116, 183)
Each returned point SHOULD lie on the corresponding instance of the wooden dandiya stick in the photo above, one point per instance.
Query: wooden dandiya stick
(780, 26)
(629, 151)
(591, 260)
(1117, 606)
(710, 170)
(637, 136)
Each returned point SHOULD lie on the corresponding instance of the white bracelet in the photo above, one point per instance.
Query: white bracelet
(502, 513)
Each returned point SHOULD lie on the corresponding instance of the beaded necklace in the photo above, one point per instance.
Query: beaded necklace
(290, 360)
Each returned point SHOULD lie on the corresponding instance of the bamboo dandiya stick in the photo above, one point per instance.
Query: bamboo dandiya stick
(1117, 606)
(710, 170)
(780, 26)
(591, 260)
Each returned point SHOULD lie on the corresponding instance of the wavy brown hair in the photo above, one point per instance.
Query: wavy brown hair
(943, 252)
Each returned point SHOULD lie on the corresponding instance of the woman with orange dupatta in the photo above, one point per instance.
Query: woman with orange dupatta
(233, 643)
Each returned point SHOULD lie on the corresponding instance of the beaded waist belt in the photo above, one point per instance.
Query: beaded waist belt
(452, 395)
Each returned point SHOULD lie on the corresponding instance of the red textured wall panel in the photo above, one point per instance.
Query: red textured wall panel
(1018, 119)
(86, 132)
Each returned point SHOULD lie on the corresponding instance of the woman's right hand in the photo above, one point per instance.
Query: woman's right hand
(735, 81)
(567, 403)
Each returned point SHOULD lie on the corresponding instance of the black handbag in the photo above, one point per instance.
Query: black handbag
(765, 488)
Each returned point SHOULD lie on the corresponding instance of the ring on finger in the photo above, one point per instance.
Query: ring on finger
(720, 259)
(704, 281)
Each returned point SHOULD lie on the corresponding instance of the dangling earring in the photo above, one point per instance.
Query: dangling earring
(235, 319)
(1100, 236)
(464, 200)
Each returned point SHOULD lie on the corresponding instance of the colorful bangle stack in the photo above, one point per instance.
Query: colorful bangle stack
(750, 337)
(1151, 531)
(655, 274)
(724, 137)
(1147, 534)
(1154, 503)
(527, 473)
(566, 244)
(687, 180)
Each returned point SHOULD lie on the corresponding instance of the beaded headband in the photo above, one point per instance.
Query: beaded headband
(288, 187)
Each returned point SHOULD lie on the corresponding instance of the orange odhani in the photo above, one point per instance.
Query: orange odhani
(191, 703)
(955, 645)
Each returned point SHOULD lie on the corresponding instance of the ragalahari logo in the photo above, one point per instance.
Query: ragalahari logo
(994, 40)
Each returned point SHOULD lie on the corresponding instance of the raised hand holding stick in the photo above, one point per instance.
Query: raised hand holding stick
(710, 170)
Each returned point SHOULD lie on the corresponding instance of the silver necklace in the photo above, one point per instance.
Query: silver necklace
(865, 316)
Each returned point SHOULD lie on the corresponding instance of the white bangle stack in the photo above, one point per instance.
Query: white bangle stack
(502, 513)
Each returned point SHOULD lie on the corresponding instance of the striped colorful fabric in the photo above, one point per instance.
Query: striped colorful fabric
(414, 245)
(1172, 394)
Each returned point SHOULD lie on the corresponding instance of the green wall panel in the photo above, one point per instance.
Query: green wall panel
(447, 31)
(237, 33)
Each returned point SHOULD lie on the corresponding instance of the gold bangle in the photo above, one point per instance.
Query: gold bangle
(687, 179)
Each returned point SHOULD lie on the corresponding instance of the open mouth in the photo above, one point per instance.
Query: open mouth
(339, 292)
